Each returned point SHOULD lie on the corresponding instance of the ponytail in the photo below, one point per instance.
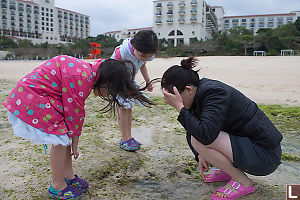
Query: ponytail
(181, 76)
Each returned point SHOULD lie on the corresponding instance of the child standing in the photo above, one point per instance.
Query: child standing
(47, 107)
(138, 50)
(224, 128)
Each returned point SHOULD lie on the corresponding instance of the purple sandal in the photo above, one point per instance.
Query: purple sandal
(69, 192)
(130, 145)
(78, 183)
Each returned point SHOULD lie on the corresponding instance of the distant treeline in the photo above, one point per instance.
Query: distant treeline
(236, 41)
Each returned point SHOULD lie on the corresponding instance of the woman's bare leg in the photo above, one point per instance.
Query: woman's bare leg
(219, 154)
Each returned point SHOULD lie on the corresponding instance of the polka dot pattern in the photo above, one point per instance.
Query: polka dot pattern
(39, 97)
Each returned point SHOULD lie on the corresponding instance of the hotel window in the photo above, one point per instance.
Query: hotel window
(170, 4)
(181, 3)
(280, 19)
(270, 19)
(270, 24)
(261, 19)
(181, 11)
(252, 19)
(170, 20)
(193, 19)
(235, 21)
(226, 26)
(289, 18)
(261, 25)
(227, 21)
(252, 25)
(170, 12)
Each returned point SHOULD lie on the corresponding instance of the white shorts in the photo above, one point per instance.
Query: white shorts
(36, 136)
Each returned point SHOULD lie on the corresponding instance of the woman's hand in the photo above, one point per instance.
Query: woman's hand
(75, 153)
(203, 166)
(173, 100)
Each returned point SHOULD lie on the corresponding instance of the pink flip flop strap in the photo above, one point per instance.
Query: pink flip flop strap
(231, 194)
(213, 177)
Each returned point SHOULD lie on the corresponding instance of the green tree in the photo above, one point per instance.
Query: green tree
(297, 24)
(247, 41)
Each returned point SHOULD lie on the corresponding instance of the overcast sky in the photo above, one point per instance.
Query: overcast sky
(112, 15)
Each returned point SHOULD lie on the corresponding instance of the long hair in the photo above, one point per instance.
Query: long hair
(181, 76)
(118, 77)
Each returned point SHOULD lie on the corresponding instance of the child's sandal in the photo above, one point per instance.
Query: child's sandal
(238, 191)
(69, 192)
(129, 145)
(78, 183)
(217, 175)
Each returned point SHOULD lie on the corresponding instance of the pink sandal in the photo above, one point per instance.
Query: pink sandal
(217, 175)
(238, 191)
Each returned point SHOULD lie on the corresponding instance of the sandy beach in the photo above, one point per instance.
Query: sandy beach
(266, 80)
(165, 167)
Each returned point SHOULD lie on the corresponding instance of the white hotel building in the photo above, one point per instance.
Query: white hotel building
(182, 21)
(39, 21)
(256, 22)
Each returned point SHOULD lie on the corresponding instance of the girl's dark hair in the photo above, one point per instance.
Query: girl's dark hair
(117, 76)
(181, 76)
(145, 41)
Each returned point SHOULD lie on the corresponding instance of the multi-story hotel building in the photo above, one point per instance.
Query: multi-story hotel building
(181, 21)
(40, 21)
(256, 22)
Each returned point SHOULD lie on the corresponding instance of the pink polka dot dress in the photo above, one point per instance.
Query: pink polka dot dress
(51, 98)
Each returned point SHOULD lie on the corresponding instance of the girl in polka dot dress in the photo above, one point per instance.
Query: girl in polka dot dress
(47, 107)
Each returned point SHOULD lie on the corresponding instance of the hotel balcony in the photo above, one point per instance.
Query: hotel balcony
(194, 3)
(170, 4)
(170, 21)
(181, 12)
(158, 5)
(211, 20)
(193, 20)
(28, 10)
(181, 4)
(12, 7)
(181, 21)
(158, 13)
(158, 21)
(170, 12)
(193, 12)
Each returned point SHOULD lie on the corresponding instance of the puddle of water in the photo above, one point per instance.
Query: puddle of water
(142, 134)
(159, 154)
(148, 189)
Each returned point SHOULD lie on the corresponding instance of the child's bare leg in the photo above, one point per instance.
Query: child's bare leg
(68, 172)
(219, 154)
(57, 165)
(124, 120)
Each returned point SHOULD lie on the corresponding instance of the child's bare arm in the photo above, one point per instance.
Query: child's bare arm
(145, 74)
